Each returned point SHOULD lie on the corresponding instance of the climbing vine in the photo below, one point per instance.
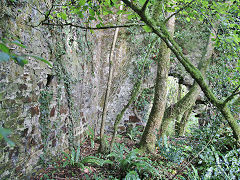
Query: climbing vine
(45, 99)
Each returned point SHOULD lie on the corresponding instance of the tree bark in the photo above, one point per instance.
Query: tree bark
(182, 125)
(149, 136)
(179, 117)
(179, 108)
(103, 146)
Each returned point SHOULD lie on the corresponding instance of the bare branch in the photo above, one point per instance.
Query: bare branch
(93, 28)
(178, 11)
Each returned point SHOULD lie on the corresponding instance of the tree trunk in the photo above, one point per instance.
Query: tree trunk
(135, 92)
(189, 99)
(179, 117)
(103, 146)
(161, 32)
(148, 139)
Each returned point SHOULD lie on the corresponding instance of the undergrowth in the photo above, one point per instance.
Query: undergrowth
(196, 156)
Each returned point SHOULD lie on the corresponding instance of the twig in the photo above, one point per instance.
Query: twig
(45, 16)
(229, 98)
(178, 11)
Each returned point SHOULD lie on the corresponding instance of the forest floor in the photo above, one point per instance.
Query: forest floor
(64, 167)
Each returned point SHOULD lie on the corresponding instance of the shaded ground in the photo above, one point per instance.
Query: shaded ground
(57, 170)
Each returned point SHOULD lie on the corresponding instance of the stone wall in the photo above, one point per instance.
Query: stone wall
(47, 109)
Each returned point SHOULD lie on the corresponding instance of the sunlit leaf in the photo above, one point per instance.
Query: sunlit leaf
(142, 2)
(63, 15)
(81, 2)
(147, 28)
(188, 19)
(4, 48)
(131, 16)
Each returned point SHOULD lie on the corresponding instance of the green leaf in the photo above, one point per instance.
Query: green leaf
(65, 163)
(105, 13)
(92, 12)
(73, 157)
(92, 18)
(5, 133)
(132, 175)
(120, 12)
(41, 59)
(147, 28)
(98, 25)
(4, 48)
(81, 2)
(20, 60)
(142, 2)
(50, 16)
(63, 15)
(4, 57)
(66, 155)
(131, 16)
(18, 44)
(188, 19)
(80, 14)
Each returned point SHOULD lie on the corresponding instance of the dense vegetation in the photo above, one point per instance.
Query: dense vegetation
(189, 138)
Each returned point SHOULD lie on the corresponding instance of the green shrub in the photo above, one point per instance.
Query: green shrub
(132, 161)
(74, 159)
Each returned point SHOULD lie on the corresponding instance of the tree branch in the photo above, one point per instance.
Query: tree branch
(144, 6)
(93, 28)
(229, 98)
(161, 32)
(178, 11)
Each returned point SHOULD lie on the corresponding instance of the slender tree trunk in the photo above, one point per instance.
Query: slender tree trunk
(183, 123)
(135, 93)
(232, 122)
(148, 139)
(103, 146)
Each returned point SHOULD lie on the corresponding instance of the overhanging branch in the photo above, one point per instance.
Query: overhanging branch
(93, 28)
